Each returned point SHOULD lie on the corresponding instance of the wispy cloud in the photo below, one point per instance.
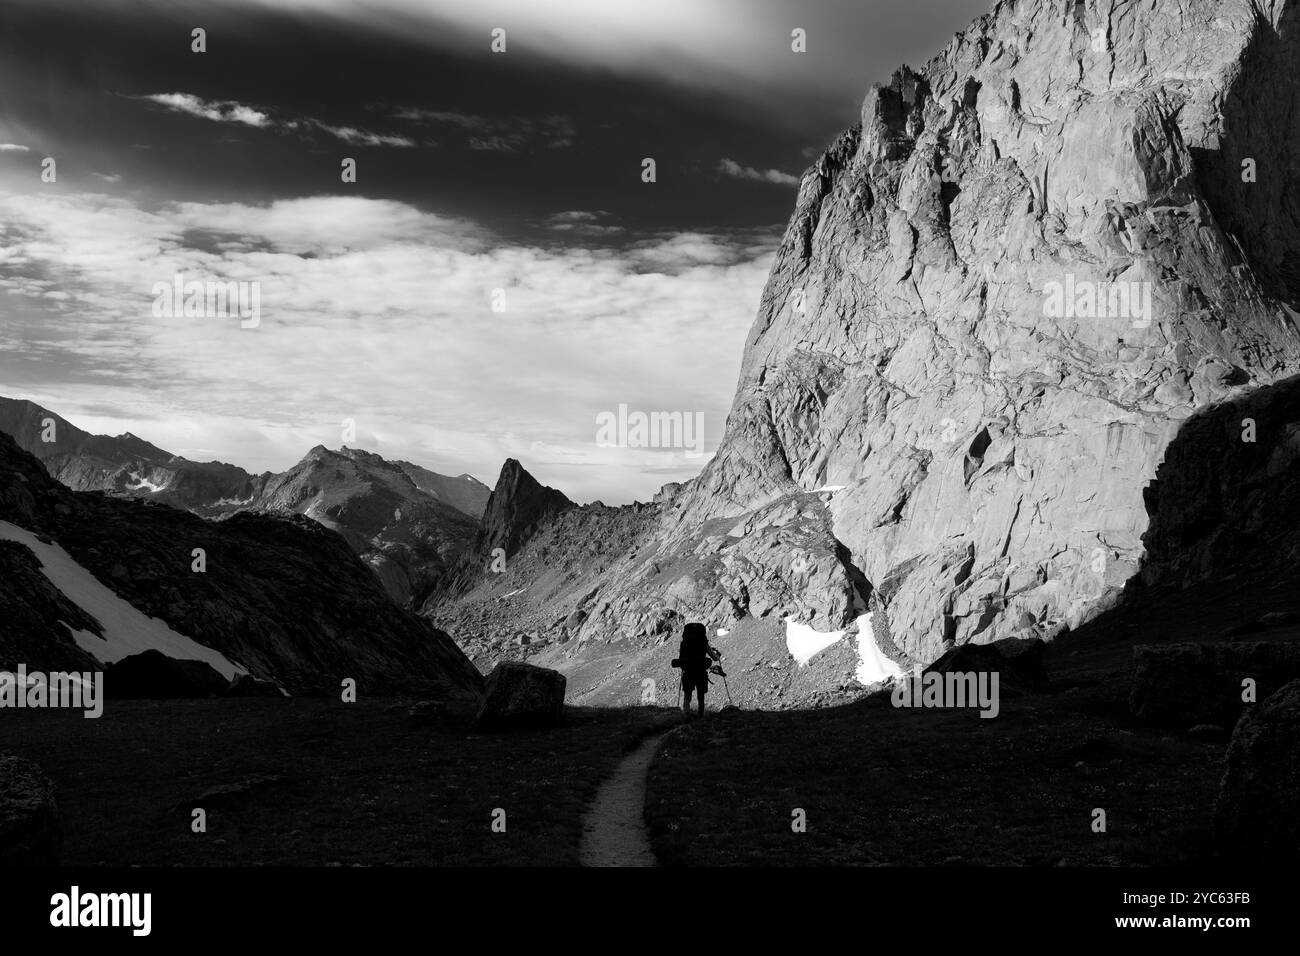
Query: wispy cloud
(361, 137)
(230, 111)
(12, 148)
(219, 111)
(729, 167)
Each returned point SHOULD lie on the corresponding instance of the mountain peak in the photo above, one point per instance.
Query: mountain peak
(518, 505)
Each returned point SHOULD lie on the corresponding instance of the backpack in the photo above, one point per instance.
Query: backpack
(694, 651)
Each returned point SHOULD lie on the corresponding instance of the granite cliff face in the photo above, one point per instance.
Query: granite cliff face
(991, 447)
(999, 299)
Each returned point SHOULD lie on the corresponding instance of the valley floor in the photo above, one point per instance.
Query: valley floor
(317, 782)
(885, 786)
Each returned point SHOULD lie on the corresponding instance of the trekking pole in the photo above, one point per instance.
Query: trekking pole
(728, 686)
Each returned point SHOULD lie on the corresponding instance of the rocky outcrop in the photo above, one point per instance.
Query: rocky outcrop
(1181, 685)
(519, 505)
(521, 695)
(152, 675)
(1018, 663)
(30, 834)
(465, 493)
(1258, 810)
(282, 597)
(1226, 496)
(407, 536)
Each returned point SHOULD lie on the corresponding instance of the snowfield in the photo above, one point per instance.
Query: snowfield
(127, 630)
(143, 483)
(804, 643)
(873, 666)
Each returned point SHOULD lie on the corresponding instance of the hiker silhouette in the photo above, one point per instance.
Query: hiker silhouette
(694, 659)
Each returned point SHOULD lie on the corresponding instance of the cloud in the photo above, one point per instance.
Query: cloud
(226, 111)
(729, 167)
(13, 148)
(383, 313)
(108, 177)
(739, 48)
(229, 111)
(350, 134)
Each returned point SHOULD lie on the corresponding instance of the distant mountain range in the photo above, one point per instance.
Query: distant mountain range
(92, 578)
(409, 524)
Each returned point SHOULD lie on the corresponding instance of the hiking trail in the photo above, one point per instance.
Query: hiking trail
(613, 828)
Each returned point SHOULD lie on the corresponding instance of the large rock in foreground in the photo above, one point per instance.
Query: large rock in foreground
(1259, 799)
(29, 820)
(522, 695)
(1019, 663)
(155, 676)
(1181, 685)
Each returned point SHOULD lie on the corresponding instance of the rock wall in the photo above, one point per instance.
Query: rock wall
(992, 442)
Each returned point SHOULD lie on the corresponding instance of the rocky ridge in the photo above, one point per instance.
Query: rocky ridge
(409, 524)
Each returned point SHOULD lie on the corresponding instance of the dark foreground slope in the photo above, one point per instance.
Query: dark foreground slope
(886, 785)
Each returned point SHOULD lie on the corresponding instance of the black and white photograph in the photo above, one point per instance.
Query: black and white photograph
(772, 435)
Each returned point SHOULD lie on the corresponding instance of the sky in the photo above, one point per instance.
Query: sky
(498, 275)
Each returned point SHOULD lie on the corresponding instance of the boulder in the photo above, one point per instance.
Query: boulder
(522, 695)
(1019, 663)
(1182, 685)
(29, 818)
(153, 675)
(1258, 810)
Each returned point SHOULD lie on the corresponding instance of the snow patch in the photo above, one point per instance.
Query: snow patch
(232, 501)
(515, 591)
(143, 483)
(873, 666)
(127, 630)
(723, 632)
(804, 643)
(830, 488)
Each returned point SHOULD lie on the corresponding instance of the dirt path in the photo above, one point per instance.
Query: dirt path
(613, 830)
